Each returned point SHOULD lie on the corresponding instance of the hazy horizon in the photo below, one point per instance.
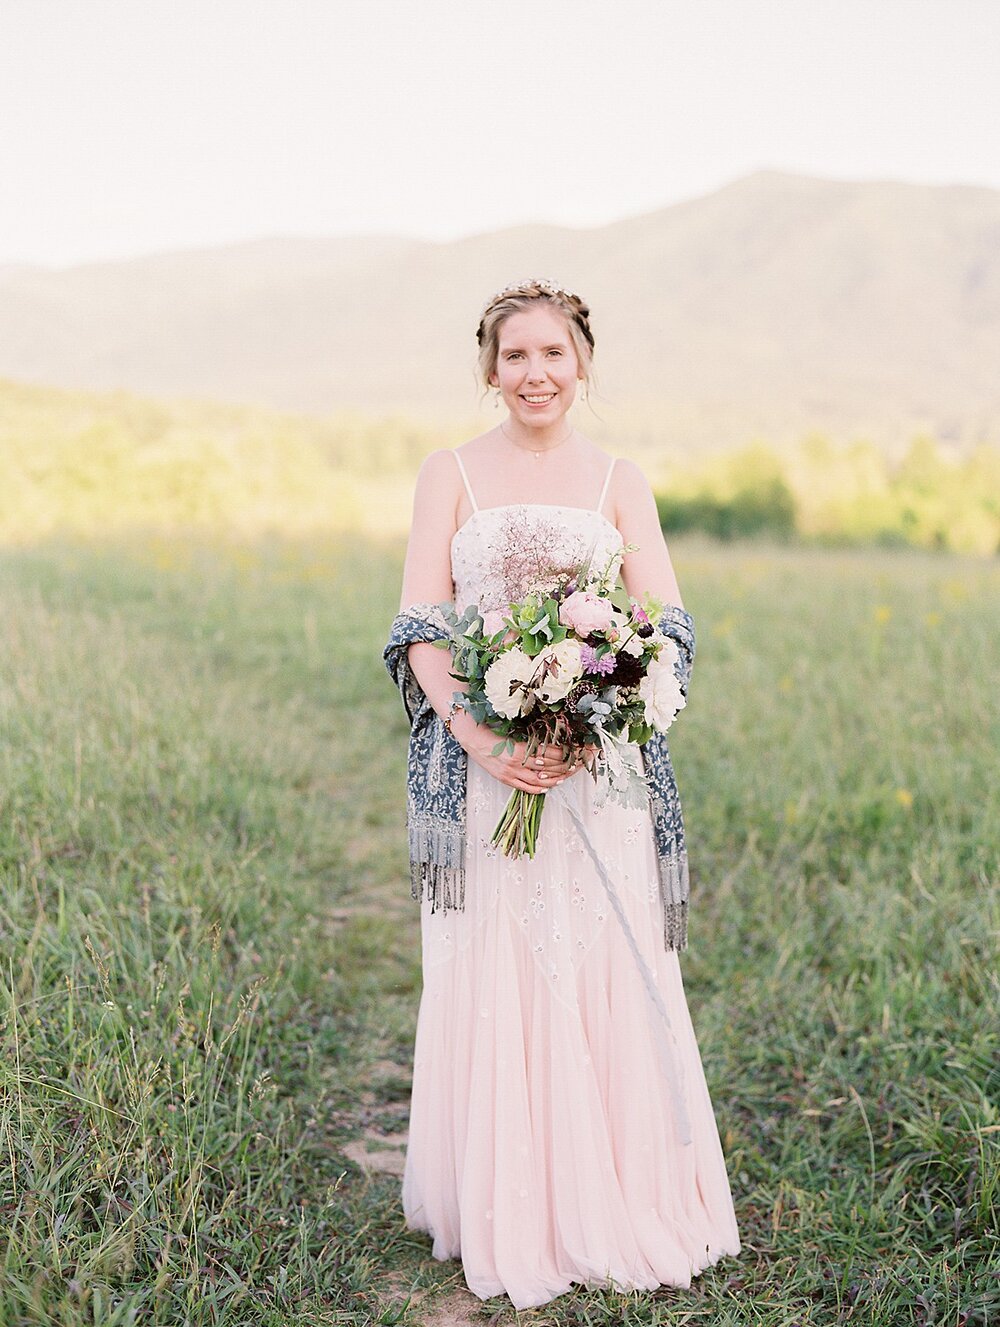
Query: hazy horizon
(134, 130)
(196, 246)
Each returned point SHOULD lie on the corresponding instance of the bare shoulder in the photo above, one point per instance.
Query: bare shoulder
(630, 477)
(439, 474)
(597, 460)
(629, 485)
(481, 444)
(438, 486)
(437, 464)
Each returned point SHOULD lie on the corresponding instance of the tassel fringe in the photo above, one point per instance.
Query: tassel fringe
(442, 886)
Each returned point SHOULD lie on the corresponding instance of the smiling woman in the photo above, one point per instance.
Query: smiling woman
(561, 1129)
(505, 363)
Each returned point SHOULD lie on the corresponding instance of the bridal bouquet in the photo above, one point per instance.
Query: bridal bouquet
(575, 663)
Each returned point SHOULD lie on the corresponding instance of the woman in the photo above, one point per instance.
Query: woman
(561, 1130)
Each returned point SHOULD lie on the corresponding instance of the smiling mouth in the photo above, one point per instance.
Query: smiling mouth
(541, 399)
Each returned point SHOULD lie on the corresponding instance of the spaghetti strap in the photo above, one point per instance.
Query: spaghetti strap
(465, 481)
(604, 490)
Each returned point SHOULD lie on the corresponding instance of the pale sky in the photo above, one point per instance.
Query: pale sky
(129, 126)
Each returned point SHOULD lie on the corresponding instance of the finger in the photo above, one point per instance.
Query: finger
(533, 769)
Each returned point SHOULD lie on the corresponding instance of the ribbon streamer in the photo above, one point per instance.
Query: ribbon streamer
(663, 1032)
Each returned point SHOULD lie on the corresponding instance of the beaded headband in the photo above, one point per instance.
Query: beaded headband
(551, 288)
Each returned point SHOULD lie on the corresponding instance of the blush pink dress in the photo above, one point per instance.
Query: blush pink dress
(546, 1147)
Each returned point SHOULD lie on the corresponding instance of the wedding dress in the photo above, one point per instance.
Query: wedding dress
(547, 1146)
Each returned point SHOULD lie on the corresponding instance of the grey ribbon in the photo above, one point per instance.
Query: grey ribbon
(662, 1028)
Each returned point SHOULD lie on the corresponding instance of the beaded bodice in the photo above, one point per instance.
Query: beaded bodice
(500, 553)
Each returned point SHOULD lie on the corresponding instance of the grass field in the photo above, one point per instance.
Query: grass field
(210, 963)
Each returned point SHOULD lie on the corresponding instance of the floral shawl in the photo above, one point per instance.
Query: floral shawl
(436, 779)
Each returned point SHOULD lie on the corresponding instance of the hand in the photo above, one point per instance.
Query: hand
(544, 769)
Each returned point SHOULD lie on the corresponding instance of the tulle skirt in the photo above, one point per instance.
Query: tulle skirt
(546, 1147)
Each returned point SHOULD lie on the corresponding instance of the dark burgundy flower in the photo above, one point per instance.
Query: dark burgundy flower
(628, 671)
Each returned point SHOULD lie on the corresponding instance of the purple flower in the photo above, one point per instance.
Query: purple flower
(591, 663)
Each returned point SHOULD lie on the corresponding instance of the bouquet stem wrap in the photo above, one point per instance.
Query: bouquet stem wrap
(437, 773)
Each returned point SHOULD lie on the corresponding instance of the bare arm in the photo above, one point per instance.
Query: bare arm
(648, 569)
(427, 580)
(427, 569)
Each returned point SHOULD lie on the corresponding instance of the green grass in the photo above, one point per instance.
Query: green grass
(209, 963)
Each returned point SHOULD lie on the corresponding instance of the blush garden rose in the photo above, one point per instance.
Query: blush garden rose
(585, 612)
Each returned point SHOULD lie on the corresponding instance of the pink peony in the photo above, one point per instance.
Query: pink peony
(585, 612)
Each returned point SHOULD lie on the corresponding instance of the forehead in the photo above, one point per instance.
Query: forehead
(539, 325)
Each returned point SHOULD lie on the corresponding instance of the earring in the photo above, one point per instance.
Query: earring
(496, 399)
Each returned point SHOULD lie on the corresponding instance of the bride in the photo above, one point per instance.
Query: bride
(561, 1130)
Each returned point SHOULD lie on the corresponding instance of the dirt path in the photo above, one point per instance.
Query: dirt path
(455, 1308)
(380, 1152)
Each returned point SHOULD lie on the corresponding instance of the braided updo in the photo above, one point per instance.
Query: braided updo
(523, 295)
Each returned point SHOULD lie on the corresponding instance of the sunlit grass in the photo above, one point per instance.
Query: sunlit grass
(210, 963)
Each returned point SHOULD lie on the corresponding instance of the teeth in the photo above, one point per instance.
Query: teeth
(536, 399)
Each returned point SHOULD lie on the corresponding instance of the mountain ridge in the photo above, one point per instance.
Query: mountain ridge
(776, 305)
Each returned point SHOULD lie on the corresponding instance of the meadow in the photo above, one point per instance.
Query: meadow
(209, 960)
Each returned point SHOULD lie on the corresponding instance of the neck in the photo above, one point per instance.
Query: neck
(539, 440)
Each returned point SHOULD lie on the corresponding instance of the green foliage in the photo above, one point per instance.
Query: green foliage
(537, 621)
(91, 464)
(741, 495)
(768, 510)
(210, 960)
(853, 495)
(94, 464)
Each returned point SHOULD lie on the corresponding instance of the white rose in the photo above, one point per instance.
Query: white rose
(662, 695)
(633, 646)
(559, 668)
(668, 652)
(506, 682)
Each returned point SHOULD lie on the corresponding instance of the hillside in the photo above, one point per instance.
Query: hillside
(773, 307)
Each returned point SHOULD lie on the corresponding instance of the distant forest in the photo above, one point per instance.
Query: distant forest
(92, 464)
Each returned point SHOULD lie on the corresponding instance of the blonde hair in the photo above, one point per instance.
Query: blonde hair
(524, 295)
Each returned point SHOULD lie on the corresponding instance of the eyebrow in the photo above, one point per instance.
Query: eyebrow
(556, 345)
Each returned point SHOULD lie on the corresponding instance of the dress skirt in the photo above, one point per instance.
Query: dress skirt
(545, 1145)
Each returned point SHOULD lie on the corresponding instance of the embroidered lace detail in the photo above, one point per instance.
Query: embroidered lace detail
(501, 553)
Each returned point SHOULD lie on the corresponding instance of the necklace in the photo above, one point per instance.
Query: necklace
(537, 453)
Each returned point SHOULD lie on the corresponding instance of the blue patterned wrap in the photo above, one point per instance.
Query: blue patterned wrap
(436, 774)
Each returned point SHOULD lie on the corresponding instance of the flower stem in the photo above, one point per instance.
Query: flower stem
(517, 829)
